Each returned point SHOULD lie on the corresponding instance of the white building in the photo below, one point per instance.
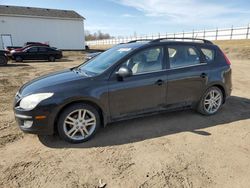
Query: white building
(63, 29)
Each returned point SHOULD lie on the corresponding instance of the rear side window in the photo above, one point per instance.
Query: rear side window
(43, 49)
(209, 54)
(183, 56)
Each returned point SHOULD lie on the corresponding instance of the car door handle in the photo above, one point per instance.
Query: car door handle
(203, 75)
(159, 82)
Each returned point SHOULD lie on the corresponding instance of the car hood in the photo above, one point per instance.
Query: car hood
(51, 82)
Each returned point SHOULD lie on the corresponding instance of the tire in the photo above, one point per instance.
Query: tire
(3, 60)
(75, 130)
(52, 59)
(18, 59)
(210, 106)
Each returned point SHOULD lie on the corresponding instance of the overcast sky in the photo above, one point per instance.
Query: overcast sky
(124, 17)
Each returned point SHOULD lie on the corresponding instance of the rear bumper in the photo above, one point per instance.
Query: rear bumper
(228, 82)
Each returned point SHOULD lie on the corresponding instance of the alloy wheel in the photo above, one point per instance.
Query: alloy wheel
(213, 101)
(79, 124)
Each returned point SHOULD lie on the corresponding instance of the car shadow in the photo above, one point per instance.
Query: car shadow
(46, 61)
(164, 124)
(64, 60)
(16, 65)
(42, 61)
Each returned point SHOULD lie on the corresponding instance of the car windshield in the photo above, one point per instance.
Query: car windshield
(105, 60)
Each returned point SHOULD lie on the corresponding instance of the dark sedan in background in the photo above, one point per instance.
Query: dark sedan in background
(37, 53)
(19, 49)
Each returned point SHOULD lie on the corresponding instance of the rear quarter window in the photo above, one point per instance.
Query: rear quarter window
(209, 54)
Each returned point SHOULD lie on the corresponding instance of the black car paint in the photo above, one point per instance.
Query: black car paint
(116, 99)
(4, 56)
(38, 55)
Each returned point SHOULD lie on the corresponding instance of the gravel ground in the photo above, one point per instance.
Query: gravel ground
(180, 149)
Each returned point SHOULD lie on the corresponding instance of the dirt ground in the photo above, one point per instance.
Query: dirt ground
(180, 149)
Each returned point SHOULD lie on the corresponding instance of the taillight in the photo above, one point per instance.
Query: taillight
(226, 58)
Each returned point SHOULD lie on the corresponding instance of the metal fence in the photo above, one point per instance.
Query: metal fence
(213, 34)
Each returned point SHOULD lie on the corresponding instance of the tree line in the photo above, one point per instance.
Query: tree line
(99, 35)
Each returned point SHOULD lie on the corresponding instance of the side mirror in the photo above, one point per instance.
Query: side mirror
(124, 72)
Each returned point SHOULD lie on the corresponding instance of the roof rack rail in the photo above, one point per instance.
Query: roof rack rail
(175, 38)
(140, 40)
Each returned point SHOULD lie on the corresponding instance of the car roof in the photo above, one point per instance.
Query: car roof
(40, 47)
(138, 44)
(132, 45)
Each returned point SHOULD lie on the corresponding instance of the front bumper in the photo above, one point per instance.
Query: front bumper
(41, 126)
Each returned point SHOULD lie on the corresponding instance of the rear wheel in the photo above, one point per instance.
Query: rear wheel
(78, 123)
(211, 101)
(3, 60)
(52, 59)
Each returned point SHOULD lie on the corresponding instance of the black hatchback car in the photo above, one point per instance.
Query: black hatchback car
(37, 53)
(127, 81)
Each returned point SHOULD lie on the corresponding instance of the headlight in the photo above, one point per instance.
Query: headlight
(31, 101)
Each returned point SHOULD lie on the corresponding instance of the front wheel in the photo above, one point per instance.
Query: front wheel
(3, 60)
(78, 123)
(52, 59)
(211, 101)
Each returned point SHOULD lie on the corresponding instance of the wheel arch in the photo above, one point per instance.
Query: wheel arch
(221, 87)
(4, 58)
(85, 101)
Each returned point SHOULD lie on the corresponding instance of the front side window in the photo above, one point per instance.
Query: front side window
(32, 50)
(149, 60)
(183, 56)
(105, 60)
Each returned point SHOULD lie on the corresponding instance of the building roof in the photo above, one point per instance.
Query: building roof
(38, 12)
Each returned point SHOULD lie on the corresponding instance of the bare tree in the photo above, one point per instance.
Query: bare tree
(97, 36)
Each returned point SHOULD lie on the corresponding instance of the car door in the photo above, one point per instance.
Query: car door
(142, 92)
(43, 53)
(187, 75)
(31, 54)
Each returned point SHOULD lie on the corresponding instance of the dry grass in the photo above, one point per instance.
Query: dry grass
(180, 149)
(236, 49)
(100, 47)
